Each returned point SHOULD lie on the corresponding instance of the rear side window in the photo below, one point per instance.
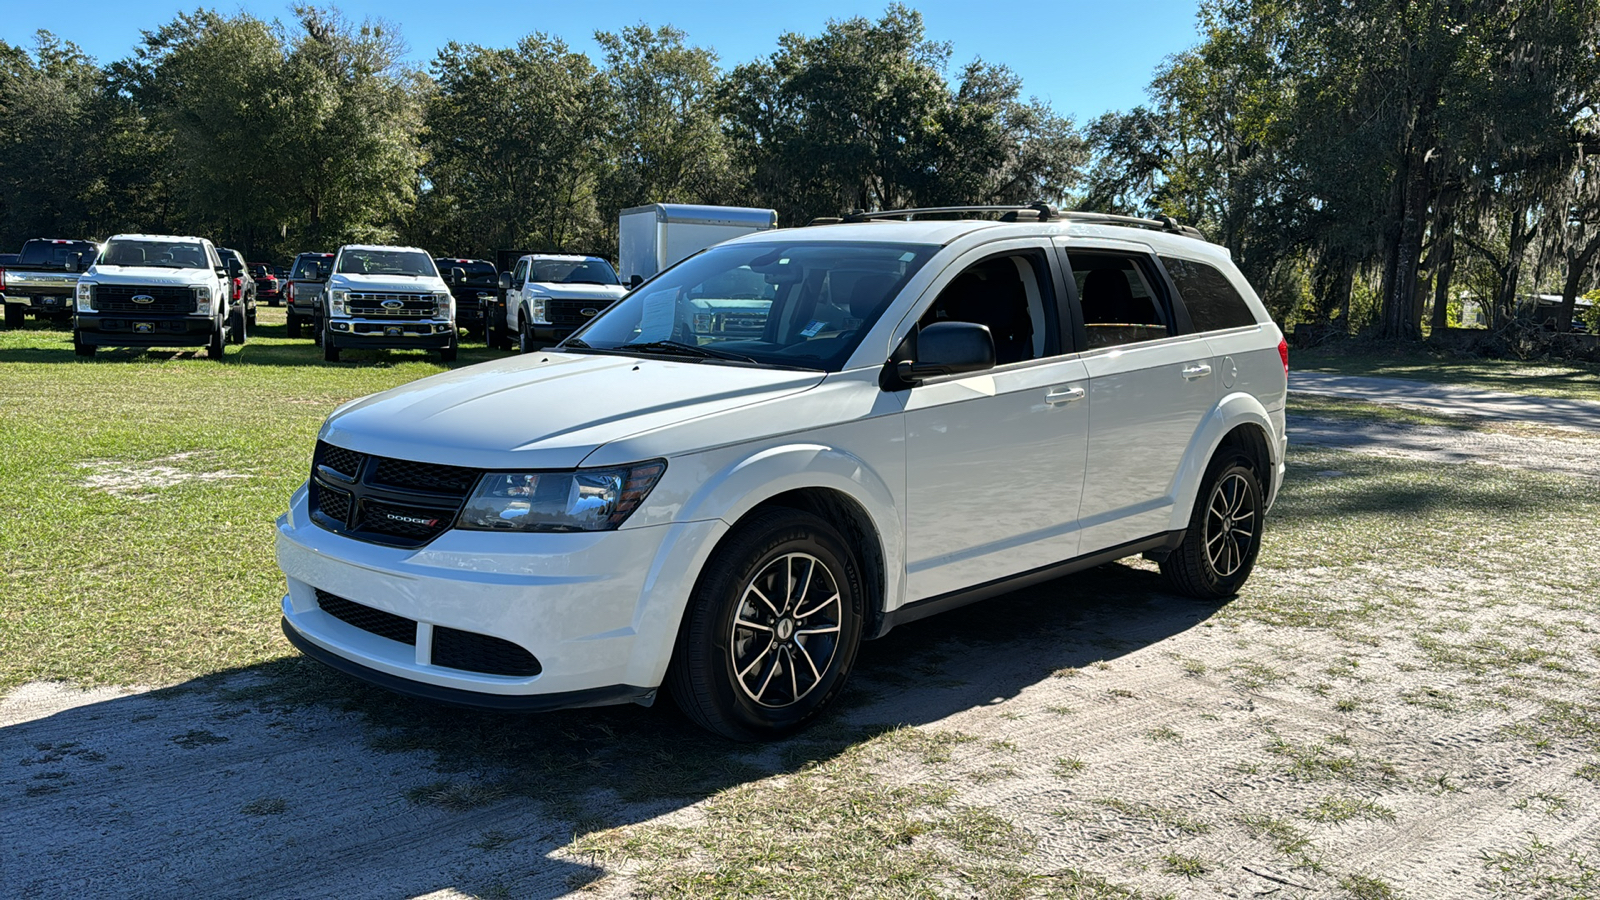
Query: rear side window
(1119, 304)
(1210, 297)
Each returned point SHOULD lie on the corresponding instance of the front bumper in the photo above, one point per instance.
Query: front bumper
(425, 334)
(149, 331)
(598, 611)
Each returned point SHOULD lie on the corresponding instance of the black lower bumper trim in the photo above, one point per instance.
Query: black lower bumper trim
(347, 341)
(605, 696)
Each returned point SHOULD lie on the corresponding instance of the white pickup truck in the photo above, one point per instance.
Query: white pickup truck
(156, 290)
(393, 297)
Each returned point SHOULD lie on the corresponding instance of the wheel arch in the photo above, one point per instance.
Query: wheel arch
(1239, 422)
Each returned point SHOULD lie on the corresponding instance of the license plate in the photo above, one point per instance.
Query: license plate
(144, 328)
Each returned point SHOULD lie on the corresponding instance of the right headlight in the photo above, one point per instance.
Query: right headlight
(582, 500)
(85, 296)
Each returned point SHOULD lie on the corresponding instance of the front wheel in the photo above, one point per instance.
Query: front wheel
(79, 347)
(525, 338)
(1224, 536)
(217, 346)
(772, 628)
(330, 350)
(238, 328)
(448, 354)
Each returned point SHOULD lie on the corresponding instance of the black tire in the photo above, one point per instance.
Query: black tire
(448, 354)
(79, 347)
(294, 325)
(525, 337)
(217, 347)
(16, 315)
(316, 325)
(737, 668)
(1224, 536)
(238, 329)
(330, 350)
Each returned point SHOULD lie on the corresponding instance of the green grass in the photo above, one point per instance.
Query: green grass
(1552, 378)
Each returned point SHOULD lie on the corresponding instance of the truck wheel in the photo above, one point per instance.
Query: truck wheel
(772, 628)
(1224, 535)
(317, 326)
(217, 346)
(79, 347)
(294, 325)
(16, 315)
(448, 354)
(525, 342)
(237, 327)
(330, 350)
(250, 315)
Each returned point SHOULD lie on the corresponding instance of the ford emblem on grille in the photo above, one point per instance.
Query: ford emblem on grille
(589, 312)
(143, 298)
(393, 304)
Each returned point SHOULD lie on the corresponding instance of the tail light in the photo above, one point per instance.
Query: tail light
(1283, 353)
(238, 286)
(2, 279)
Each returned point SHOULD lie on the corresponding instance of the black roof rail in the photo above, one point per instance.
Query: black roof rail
(1032, 212)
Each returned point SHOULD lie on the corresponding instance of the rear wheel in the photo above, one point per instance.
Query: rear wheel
(16, 315)
(772, 629)
(294, 325)
(1224, 536)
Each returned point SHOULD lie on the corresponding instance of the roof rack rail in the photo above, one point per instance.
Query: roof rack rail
(1032, 212)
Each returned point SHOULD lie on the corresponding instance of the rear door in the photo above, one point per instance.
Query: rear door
(1151, 383)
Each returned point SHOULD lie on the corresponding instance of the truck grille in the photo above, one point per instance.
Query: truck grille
(166, 299)
(399, 306)
(452, 648)
(394, 502)
(570, 312)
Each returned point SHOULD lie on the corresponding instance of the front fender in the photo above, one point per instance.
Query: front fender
(1232, 411)
(748, 480)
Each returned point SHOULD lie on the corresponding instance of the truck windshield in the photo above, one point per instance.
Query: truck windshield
(386, 262)
(160, 254)
(53, 254)
(805, 305)
(573, 271)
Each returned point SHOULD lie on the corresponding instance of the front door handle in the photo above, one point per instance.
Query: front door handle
(1199, 370)
(1063, 395)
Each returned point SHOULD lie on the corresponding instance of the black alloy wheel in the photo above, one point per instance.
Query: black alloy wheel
(1219, 548)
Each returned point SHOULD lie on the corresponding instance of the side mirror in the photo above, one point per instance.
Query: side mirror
(223, 271)
(505, 281)
(81, 262)
(943, 348)
(635, 280)
(458, 275)
(234, 268)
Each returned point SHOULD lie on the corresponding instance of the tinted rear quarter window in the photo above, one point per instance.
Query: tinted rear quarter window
(50, 253)
(1213, 302)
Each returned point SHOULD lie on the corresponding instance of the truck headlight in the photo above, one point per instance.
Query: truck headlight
(202, 300)
(338, 303)
(585, 500)
(85, 297)
(442, 305)
(536, 307)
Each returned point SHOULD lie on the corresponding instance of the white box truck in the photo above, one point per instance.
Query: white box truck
(653, 237)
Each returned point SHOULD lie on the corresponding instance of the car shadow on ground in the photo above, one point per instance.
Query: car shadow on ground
(289, 779)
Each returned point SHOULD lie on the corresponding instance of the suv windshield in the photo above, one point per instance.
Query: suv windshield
(573, 271)
(798, 304)
(310, 268)
(163, 254)
(386, 262)
(53, 254)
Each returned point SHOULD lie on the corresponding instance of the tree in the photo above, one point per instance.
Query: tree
(46, 128)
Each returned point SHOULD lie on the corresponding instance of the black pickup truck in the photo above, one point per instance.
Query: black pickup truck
(303, 293)
(475, 292)
(43, 279)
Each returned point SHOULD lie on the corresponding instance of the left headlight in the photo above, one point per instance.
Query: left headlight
(202, 300)
(338, 303)
(85, 296)
(585, 500)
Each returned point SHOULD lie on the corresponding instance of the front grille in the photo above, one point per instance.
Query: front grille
(472, 652)
(411, 306)
(168, 299)
(402, 473)
(381, 500)
(570, 312)
(373, 621)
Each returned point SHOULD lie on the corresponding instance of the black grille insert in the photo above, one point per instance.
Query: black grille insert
(397, 502)
(373, 621)
(471, 652)
(402, 473)
(345, 462)
(164, 299)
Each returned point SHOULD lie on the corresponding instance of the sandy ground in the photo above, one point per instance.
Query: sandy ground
(1186, 733)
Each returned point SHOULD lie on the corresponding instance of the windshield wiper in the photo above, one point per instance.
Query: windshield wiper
(679, 348)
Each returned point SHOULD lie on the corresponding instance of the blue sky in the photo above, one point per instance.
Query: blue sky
(1084, 57)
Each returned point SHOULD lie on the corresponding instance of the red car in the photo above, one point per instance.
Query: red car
(269, 287)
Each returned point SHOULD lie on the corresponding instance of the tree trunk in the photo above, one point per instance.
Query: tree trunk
(1400, 314)
(1505, 301)
(1577, 264)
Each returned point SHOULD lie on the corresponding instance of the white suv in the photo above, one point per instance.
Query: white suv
(934, 412)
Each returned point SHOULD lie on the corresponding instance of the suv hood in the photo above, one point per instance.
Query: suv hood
(559, 291)
(143, 275)
(404, 284)
(547, 410)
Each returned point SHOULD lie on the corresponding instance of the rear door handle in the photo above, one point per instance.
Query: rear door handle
(1199, 370)
(1058, 396)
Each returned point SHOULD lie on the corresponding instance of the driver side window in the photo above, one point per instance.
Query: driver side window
(1005, 293)
(520, 276)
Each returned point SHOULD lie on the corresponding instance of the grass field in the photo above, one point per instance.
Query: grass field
(1417, 647)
